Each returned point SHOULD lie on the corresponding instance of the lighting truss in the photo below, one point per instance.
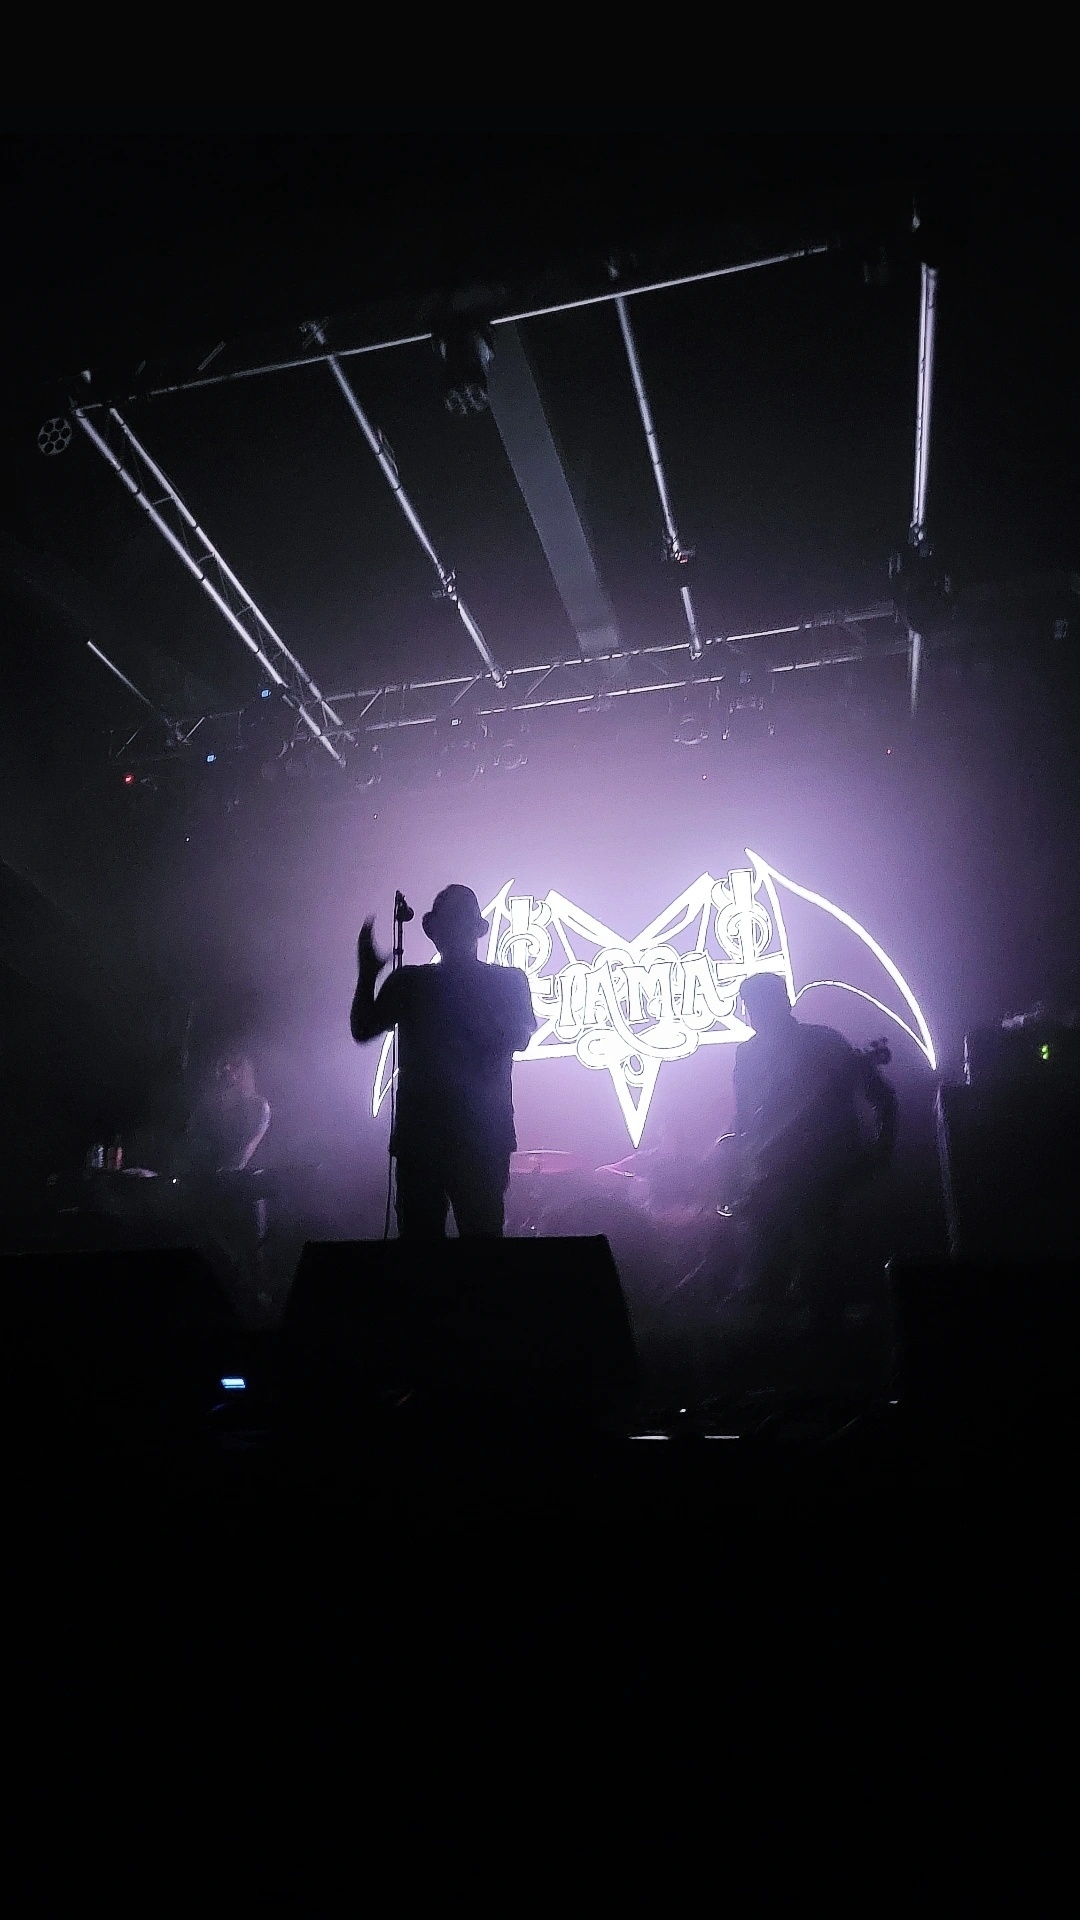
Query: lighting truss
(676, 552)
(416, 337)
(388, 467)
(924, 394)
(151, 489)
(581, 686)
(315, 334)
(588, 684)
(175, 733)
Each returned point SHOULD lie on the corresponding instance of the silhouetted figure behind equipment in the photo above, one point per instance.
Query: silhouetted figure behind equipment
(230, 1120)
(228, 1125)
(459, 1024)
(801, 1093)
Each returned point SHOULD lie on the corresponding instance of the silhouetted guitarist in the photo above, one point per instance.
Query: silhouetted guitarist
(800, 1096)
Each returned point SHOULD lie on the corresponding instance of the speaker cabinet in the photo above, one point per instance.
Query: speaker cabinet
(533, 1327)
(1008, 1155)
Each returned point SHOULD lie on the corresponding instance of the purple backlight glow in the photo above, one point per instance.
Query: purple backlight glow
(629, 1006)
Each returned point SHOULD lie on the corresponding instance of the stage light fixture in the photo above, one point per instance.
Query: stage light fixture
(466, 349)
(692, 731)
(691, 716)
(264, 693)
(462, 751)
(512, 751)
(673, 553)
(210, 758)
(365, 766)
(276, 758)
(54, 436)
(746, 715)
(129, 779)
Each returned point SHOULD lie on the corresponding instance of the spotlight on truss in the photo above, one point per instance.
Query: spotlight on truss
(692, 730)
(365, 764)
(466, 349)
(691, 717)
(675, 554)
(274, 763)
(461, 751)
(747, 719)
(512, 751)
(54, 436)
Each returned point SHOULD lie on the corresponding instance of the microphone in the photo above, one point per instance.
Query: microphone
(402, 909)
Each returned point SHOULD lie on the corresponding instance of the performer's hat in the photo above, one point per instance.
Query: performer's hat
(456, 907)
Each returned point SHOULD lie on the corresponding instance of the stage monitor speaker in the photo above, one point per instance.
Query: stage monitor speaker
(1008, 1164)
(1034, 1053)
(986, 1349)
(536, 1327)
(111, 1347)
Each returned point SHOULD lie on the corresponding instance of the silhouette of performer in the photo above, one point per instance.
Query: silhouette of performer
(814, 1116)
(459, 1024)
(230, 1119)
(228, 1125)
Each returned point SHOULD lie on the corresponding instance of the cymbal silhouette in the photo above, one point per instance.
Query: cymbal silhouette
(547, 1160)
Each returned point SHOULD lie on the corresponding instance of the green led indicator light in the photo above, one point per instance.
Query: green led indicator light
(1044, 1051)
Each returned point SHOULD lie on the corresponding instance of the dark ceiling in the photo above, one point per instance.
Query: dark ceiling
(784, 398)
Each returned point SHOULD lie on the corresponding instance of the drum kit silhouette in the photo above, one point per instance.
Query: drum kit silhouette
(552, 1190)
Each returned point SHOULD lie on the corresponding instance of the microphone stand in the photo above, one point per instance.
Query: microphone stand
(402, 913)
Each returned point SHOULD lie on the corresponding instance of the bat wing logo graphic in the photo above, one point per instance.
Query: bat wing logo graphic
(774, 884)
(628, 1006)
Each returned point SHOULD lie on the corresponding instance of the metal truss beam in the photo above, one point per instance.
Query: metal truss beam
(410, 337)
(923, 402)
(151, 489)
(159, 499)
(597, 683)
(924, 394)
(388, 468)
(582, 685)
(173, 730)
(676, 552)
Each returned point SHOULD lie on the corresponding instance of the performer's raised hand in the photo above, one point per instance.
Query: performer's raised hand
(369, 959)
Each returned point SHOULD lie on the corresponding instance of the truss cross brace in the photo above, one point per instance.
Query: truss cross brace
(181, 531)
(676, 551)
(388, 467)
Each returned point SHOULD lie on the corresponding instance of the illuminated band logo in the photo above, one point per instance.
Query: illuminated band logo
(628, 1006)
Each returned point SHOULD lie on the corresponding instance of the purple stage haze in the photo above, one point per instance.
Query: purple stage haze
(262, 920)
